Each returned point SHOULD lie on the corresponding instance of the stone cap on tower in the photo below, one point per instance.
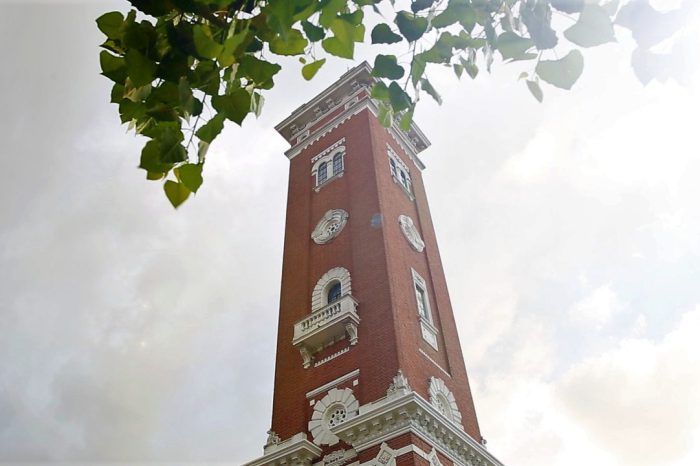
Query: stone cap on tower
(347, 96)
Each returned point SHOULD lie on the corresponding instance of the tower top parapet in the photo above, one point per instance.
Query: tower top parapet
(348, 95)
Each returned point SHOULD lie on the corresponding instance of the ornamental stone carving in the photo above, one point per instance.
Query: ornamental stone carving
(385, 457)
(336, 407)
(444, 401)
(330, 226)
(411, 233)
(399, 386)
(433, 458)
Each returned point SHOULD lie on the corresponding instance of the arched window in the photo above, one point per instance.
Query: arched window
(337, 163)
(332, 286)
(328, 165)
(399, 172)
(334, 292)
(322, 173)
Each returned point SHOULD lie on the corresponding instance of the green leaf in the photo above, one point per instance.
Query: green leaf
(418, 5)
(398, 97)
(117, 94)
(190, 175)
(380, 91)
(339, 48)
(171, 151)
(382, 34)
(561, 73)
(233, 42)
(330, 10)
(110, 24)
(411, 27)
(592, 28)
(212, 128)
(406, 120)
(309, 70)
(470, 65)
(235, 105)
(512, 46)
(427, 87)
(386, 115)
(535, 90)
(417, 68)
(294, 44)
(259, 71)
(385, 66)
(141, 70)
(345, 34)
(649, 26)
(456, 11)
(113, 67)
(204, 42)
(256, 103)
(150, 158)
(313, 33)
(135, 94)
(177, 193)
(568, 6)
(537, 17)
(186, 98)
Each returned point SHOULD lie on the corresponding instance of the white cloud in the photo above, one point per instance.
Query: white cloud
(641, 400)
(596, 309)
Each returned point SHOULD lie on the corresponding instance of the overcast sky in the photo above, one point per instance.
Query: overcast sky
(569, 231)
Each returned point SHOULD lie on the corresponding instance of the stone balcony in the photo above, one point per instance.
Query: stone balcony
(326, 326)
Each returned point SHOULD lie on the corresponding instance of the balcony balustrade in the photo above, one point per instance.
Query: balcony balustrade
(326, 326)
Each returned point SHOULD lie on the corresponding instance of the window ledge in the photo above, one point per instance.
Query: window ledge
(339, 175)
(428, 332)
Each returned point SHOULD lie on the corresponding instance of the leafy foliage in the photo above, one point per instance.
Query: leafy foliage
(181, 68)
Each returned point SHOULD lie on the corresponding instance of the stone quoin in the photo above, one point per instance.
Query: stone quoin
(369, 369)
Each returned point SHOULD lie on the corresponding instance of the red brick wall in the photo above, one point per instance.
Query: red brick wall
(379, 261)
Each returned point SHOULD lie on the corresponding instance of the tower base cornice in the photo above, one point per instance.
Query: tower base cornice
(407, 412)
(296, 451)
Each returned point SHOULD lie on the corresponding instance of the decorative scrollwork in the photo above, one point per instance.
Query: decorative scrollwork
(411, 233)
(444, 401)
(333, 409)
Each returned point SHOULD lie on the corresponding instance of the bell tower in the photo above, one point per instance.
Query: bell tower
(369, 368)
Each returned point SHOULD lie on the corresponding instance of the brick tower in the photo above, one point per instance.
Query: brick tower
(369, 366)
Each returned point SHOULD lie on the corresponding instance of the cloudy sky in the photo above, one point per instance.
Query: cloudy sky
(569, 231)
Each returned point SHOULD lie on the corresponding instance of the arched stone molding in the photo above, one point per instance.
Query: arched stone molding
(336, 407)
(319, 297)
(330, 226)
(444, 401)
(410, 231)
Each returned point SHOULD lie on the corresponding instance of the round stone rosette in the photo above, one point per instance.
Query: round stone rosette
(330, 226)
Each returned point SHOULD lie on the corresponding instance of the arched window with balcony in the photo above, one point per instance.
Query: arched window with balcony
(331, 287)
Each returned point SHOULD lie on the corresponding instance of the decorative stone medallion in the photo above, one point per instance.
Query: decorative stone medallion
(411, 233)
(333, 409)
(330, 226)
(444, 401)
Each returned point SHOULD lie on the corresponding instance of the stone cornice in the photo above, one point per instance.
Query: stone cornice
(397, 134)
(296, 451)
(409, 412)
(351, 91)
